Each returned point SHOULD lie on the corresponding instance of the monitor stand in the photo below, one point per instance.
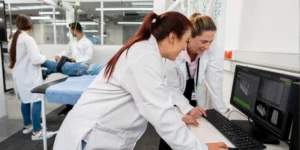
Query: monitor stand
(263, 137)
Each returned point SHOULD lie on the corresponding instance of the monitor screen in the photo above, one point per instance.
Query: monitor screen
(266, 97)
(3, 36)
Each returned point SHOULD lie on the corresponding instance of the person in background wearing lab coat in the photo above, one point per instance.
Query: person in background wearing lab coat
(25, 62)
(113, 112)
(80, 49)
(186, 75)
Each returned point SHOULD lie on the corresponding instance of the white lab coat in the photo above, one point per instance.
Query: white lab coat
(210, 75)
(80, 50)
(114, 115)
(27, 70)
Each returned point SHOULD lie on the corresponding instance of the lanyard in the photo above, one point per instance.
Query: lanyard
(188, 71)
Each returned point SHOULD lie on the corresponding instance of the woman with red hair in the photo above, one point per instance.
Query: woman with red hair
(113, 112)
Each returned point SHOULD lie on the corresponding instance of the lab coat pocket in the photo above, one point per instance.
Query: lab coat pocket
(105, 138)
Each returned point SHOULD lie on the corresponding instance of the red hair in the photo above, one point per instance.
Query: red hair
(160, 26)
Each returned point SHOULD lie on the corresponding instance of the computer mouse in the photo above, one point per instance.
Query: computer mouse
(233, 148)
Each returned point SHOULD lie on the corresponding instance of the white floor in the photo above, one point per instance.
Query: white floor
(13, 121)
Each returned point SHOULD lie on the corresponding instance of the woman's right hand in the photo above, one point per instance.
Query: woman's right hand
(217, 146)
(197, 112)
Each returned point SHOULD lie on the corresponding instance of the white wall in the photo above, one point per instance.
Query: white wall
(233, 23)
(270, 26)
(263, 26)
(38, 33)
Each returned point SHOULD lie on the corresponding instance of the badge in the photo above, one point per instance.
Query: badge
(193, 96)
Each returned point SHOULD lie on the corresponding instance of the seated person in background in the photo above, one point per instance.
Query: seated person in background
(65, 67)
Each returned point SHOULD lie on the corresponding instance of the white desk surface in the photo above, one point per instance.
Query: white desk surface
(207, 133)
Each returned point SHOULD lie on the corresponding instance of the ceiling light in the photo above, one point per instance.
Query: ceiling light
(48, 13)
(130, 23)
(124, 9)
(140, 4)
(142, 12)
(82, 23)
(60, 23)
(40, 17)
(90, 31)
(33, 7)
(88, 23)
(95, 36)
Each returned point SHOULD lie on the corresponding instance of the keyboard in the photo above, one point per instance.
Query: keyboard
(237, 136)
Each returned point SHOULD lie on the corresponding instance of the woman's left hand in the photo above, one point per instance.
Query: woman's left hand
(189, 120)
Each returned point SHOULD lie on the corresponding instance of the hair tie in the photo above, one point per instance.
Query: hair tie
(156, 19)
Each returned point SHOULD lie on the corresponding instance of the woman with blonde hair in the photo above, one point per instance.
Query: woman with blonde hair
(194, 67)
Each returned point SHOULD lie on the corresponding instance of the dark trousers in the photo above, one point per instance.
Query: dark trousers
(69, 107)
(163, 145)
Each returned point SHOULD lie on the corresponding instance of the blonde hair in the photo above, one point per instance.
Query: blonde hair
(201, 23)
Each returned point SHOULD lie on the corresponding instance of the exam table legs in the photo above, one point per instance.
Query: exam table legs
(44, 125)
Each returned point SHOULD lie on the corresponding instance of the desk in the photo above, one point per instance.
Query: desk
(207, 133)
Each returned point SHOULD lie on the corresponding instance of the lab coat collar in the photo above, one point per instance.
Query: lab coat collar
(83, 38)
(152, 41)
(185, 56)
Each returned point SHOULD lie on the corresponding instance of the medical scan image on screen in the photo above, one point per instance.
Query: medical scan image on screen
(262, 95)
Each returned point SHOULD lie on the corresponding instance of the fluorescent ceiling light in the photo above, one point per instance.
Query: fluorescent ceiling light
(40, 17)
(88, 23)
(95, 36)
(90, 31)
(144, 4)
(48, 13)
(142, 12)
(33, 7)
(60, 23)
(12, 9)
(123, 9)
(130, 23)
(82, 23)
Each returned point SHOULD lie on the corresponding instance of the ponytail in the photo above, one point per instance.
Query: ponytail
(143, 33)
(12, 51)
(24, 23)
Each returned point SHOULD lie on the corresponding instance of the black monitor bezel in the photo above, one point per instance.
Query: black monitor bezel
(284, 132)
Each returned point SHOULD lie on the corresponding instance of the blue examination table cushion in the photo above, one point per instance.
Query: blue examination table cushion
(69, 91)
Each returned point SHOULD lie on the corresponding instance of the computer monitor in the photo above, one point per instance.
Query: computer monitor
(265, 97)
(3, 36)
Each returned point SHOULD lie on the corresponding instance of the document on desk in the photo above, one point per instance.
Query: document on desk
(69, 91)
